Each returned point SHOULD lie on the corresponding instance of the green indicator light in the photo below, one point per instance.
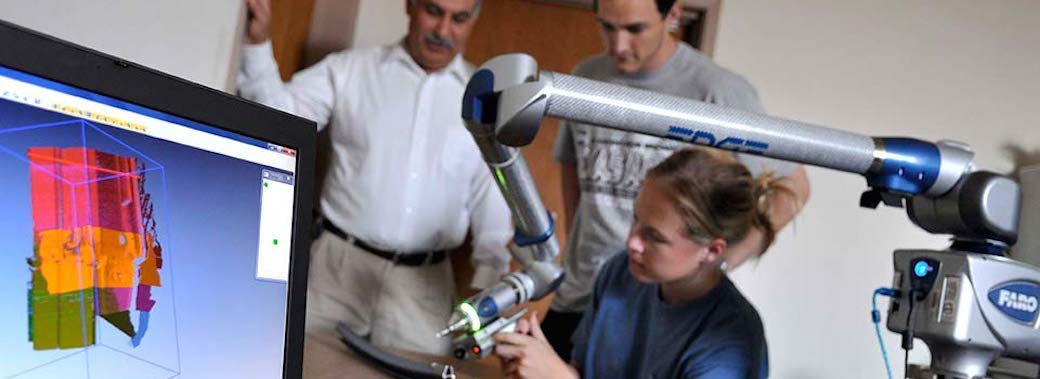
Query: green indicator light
(275, 241)
(471, 314)
(501, 178)
(265, 184)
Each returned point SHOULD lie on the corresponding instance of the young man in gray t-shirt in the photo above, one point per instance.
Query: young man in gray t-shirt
(603, 168)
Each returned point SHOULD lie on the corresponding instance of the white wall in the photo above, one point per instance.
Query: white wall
(380, 22)
(192, 39)
(951, 69)
(956, 69)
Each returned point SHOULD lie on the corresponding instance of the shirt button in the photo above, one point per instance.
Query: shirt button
(408, 210)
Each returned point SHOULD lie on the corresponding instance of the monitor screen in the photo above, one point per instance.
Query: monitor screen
(137, 242)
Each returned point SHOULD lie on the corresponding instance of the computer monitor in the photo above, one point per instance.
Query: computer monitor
(150, 227)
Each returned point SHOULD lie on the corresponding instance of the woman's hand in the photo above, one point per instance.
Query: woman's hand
(527, 354)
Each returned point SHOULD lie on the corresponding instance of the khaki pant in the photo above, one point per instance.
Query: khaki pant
(394, 306)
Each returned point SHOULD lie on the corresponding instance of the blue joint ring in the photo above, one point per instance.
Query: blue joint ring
(911, 166)
(522, 240)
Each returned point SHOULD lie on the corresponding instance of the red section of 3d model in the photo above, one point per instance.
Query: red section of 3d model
(94, 244)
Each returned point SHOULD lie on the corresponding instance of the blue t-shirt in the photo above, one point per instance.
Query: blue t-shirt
(630, 332)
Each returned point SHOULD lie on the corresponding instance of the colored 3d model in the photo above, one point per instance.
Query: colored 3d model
(95, 248)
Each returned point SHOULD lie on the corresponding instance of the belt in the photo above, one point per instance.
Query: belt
(407, 259)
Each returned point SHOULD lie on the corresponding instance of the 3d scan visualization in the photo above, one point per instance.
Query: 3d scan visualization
(95, 249)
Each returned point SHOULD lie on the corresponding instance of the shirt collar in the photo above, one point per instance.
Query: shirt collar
(458, 68)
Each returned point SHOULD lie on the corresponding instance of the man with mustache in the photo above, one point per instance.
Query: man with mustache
(602, 169)
(406, 180)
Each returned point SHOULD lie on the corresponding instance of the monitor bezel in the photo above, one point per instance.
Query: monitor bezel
(53, 59)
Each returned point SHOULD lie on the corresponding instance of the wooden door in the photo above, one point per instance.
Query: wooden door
(290, 24)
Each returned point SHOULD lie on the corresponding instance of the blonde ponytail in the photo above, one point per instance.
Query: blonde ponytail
(717, 196)
(765, 186)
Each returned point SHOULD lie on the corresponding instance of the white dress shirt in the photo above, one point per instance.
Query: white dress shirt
(404, 173)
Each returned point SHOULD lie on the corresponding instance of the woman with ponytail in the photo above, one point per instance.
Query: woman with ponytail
(665, 308)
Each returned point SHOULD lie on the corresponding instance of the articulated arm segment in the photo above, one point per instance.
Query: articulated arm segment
(900, 165)
(934, 176)
(534, 245)
(507, 98)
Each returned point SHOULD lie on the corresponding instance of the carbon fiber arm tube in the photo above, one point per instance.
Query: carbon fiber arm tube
(641, 111)
(899, 166)
(513, 179)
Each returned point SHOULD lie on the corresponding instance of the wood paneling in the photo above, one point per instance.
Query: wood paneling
(290, 26)
(558, 37)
